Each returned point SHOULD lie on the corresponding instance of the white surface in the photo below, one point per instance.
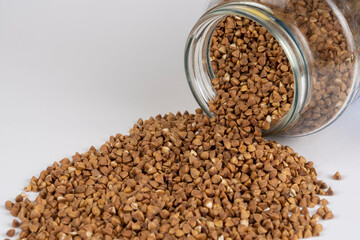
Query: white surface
(73, 73)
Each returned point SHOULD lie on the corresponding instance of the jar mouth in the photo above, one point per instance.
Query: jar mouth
(198, 66)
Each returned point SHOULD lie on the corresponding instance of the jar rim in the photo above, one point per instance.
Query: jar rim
(199, 71)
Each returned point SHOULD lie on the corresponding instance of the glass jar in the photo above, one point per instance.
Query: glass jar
(321, 39)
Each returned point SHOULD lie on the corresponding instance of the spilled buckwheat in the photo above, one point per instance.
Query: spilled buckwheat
(181, 176)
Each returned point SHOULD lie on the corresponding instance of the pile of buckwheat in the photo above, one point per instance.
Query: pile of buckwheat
(187, 176)
(180, 176)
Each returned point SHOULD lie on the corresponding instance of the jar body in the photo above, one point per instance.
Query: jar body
(321, 39)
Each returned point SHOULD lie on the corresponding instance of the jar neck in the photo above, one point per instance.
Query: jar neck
(198, 64)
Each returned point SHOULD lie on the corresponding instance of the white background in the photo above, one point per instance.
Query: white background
(73, 73)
